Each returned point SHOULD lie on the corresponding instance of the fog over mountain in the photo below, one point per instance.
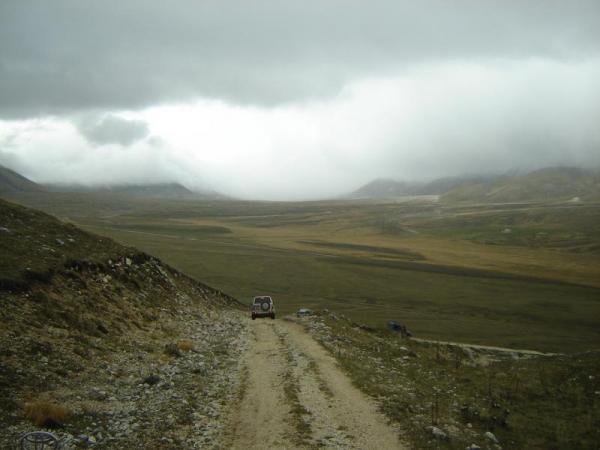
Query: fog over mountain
(295, 100)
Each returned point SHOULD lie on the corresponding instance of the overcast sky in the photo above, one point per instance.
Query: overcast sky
(295, 99)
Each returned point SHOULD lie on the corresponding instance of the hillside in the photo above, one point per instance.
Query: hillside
(169, 191)
(560, 183)
(12, 182)
(389, 188)
(557, 183)
(384, 188)
(99, 341)
(445, 395)
(161, 190)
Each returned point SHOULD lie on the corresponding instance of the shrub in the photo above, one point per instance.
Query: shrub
(39, 297)
(185, 345)
(46, 413)
(172, 350)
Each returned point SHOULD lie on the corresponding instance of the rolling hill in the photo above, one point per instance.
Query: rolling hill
(152, 190)
(12, 182)
(389, 188)
(556, 183)
(384, 188)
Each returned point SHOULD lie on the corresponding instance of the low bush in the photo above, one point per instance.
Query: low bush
(185, 345)
(46, 413)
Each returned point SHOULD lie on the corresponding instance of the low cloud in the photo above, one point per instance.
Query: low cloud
(111, 129)
(58, 153)
(438, 120)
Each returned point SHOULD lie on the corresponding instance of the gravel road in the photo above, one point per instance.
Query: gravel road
(294, 395)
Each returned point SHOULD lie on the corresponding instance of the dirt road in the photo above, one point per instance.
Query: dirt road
(295, 396)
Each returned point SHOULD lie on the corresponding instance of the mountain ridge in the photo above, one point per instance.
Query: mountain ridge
(11, 182)
(552, 183)
(167, 190)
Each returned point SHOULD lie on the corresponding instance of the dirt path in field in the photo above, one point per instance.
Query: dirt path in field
(295, 397)
(518, 351)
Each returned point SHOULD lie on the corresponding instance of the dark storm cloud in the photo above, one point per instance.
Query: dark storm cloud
(61, 56)
(110, 129)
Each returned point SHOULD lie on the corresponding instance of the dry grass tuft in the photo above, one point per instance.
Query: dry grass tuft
(185, 345)
(44, 412)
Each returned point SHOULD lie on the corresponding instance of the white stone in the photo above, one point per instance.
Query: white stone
(491, 437)
(438, 434)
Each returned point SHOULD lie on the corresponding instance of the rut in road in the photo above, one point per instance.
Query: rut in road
(295, 396)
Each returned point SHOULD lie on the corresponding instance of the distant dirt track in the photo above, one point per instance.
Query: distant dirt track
(335, 414)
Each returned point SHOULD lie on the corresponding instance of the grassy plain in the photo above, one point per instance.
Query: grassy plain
(515, 275)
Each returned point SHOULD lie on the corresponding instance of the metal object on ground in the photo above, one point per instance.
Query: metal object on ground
(38, 440)
(302, 312)
(400, 328)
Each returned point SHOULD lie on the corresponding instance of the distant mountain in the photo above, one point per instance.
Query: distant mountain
(164, 190)
(443, 185)
(160, 190)
(557, 183)
(384, 188)
(153, 190)
(12, 182)
(388, 188)
(560, 183)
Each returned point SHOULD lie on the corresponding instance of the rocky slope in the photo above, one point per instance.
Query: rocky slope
(107, 346)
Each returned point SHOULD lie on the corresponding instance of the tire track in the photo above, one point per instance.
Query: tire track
(297, 397)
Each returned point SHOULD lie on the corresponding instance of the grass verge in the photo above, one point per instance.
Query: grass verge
(525, 401)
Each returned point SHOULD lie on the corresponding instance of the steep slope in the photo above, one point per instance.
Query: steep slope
(99, 342)
(12, 182)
